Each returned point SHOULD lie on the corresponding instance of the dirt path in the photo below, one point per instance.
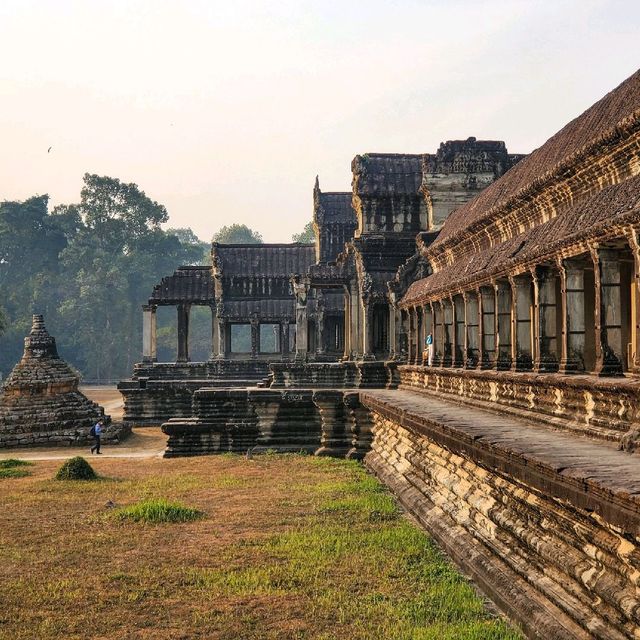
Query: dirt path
(144, 442)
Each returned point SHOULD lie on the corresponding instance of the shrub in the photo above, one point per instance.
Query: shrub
(12, 468)
(76, 469)
(158, 510)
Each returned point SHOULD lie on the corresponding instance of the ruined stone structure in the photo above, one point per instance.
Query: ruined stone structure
(40, 403)
(514, 446)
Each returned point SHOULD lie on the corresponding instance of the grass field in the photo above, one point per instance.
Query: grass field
(274, 547)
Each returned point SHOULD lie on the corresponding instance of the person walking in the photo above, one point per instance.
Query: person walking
(95, 433)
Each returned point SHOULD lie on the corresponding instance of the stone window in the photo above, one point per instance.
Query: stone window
(269, 338)
(241, 338)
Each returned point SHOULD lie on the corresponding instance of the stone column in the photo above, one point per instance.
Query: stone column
(503, 325)
(215, 340)
(419, 334)
(488, 326)
(149, 345)
(572, 314)
(301, 290)
(224, 337)
(472, 329)
(439, 337)
(255, 337)
(522, 340)
(347, 325)
(356, 313)
(545, 323)
(459, 331)
(284, 339)
(393, 335)
(320, 349)
(608, 317)
(633, 237)
(411, 341)
(447, 332)
(183, 332)
(367, 327)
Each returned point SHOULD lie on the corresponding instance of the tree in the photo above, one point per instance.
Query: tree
(237, 234)
(88, 267)
(306, 235)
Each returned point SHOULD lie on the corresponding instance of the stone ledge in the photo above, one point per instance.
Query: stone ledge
(590, 475)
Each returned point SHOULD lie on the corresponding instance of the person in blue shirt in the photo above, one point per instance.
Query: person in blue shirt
(96, 433)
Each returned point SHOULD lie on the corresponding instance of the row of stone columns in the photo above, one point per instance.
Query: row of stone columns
(577, 314)
(220, 334)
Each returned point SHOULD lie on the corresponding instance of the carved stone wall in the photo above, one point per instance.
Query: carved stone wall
(559, 550)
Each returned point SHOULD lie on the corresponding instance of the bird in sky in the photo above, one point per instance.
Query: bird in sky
(49, 149)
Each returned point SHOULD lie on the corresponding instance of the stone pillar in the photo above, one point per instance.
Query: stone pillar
(439, 337)
(419, 334)
(284, 339)
(522, 336)
(608, 316)
(149, 345)
(347, 326)
(488, 327)
(356, 313)
(503, 325)
(572, 314)
(367, 328)
(472, 329)
(183, 332)
(459, 331)
(301, 291)
(393, 332)
(633, 237)
(411, 341)
(224, 336)
(545, 322)
(255, 337)
(320, 348)
(447, 332)
(427, 321)
(215, 340)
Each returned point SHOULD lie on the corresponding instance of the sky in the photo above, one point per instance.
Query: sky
(226, 111)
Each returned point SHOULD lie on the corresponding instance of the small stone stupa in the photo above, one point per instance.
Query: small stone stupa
(40, 403)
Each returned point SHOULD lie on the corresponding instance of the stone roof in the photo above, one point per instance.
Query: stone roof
(578, 186)
(577, 137)
(591, 217)
(387, 174)
(263, 260)
(187, 284)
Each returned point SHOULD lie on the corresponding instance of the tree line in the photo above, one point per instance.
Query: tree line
(88, 267)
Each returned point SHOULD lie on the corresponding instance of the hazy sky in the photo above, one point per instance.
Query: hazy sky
(226, 111)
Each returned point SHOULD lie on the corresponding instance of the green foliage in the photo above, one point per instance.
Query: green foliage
(157, 511)
(14, 468)
(88, 267)
(76, 469)
(307, 235)
(237, 234)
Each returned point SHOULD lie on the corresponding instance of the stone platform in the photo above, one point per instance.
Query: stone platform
(548, 523)
(159, 391)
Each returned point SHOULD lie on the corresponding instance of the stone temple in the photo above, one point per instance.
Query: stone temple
(40, 403)
(514, 446)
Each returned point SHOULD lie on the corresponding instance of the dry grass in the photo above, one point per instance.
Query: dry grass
(288, 547)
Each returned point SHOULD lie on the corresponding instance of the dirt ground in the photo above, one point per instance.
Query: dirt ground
(107, 396)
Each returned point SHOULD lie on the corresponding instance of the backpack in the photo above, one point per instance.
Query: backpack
(92, 433)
